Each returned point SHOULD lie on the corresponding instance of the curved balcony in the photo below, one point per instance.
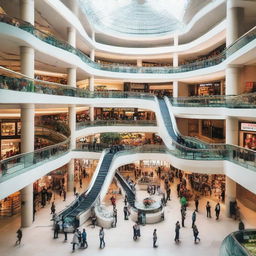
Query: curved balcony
(228, 101)
(197, 65)
(239, 243)
(11, 80)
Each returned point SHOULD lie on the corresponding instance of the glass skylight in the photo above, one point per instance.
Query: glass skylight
(140, 17)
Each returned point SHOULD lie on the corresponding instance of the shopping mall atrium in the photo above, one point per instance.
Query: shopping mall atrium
(128, 127)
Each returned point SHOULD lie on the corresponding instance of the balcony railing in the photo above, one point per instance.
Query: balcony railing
(230, 101)
(209, 62)
(87, 124)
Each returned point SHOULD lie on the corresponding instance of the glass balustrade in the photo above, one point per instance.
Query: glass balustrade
(239, 243)
(86, 124)
(10, 80)
(211, 61)
(20, 163)
(230, 101)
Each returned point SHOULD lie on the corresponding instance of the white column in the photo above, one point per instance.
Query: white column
(27, 145)
(91, 109)
(27, 206)
(27, 61)
(232, 80)
(139, 62)
(71, 34)
(175, 54)
(27, 127)
(27, 12)
(175, 59)
(232, 130)
(73, 6)
(175, 89)
(230, 194)
(71, 77)
(235, 21)
(92, 55)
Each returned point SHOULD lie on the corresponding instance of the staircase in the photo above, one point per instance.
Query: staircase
(87, 199)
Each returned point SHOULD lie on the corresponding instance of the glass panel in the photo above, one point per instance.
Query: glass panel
(242, 41)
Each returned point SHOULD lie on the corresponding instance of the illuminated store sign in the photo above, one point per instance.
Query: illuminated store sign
(248, 127)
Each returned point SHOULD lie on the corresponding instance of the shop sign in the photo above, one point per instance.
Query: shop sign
(248, 127)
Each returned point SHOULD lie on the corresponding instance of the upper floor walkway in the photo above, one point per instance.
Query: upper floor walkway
(239, 53)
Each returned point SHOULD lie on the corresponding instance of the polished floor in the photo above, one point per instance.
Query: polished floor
(38, 239)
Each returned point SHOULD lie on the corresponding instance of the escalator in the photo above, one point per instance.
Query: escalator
(175, 135)
(128, 191)
(87, 199)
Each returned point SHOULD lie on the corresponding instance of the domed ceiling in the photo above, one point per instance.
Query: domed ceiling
(136, 17)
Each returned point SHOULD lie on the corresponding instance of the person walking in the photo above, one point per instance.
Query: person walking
(168, 193)
(217, 210)
(75, 240)
(183, 216)
(64, 195)
(240, 225)
(154, 239)
(53, 209)
(115, 217)
(177, 232)
(19, 236)
(195, 233)
(125, 213)
(193, 218)
(56, 230)
(84, 239)
(81, 182)
(64, 228)
(196, 203)
(101, 236)
(135, 236)
(208, 209)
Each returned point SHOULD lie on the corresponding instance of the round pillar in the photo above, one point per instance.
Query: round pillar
(139, 62)
(27, 127)
(91, 109)
(71, 34)
(175, 89)
(92, 55)
(235, 21)
(27, 11)
(175, 60)
(27, 206)
(232, 80)
(27, 61)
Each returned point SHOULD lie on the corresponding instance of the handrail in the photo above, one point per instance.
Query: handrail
(84, 124)
(37, 86)
(250, 35)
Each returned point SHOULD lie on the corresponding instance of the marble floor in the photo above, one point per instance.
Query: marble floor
(38, 239)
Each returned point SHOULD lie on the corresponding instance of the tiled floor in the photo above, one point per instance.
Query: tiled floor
(38, 239)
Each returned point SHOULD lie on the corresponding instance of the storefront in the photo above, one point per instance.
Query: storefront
(247, 135)
(123, 114)
(212, 88)
(10, 205)
(10, 137)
